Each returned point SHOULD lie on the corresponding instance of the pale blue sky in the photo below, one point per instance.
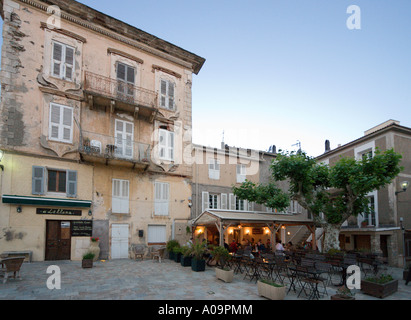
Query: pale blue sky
(285, 70)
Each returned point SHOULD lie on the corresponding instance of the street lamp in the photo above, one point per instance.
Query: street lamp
(404, 186)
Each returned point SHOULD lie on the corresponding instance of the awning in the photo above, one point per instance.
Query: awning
(210, 217)
(41, 201)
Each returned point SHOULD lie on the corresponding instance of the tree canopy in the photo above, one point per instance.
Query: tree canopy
(331, 193)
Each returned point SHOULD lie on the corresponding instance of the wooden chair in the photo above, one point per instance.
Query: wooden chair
(11, 265)
(139, 251)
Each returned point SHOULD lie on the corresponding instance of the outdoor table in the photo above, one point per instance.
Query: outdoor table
(314, 273)
(270, 264)
(237, 263)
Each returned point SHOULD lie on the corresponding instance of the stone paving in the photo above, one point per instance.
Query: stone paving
(145, 280)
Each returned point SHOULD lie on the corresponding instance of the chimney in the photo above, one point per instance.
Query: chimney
(327, 145)
(222, 145)
(272, 149)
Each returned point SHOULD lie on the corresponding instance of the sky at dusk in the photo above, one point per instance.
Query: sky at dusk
(278, 72)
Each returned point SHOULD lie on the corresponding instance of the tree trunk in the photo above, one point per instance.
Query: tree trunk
(331, 237)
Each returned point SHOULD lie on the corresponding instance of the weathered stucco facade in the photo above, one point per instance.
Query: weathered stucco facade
(96, 114)
(381, 231)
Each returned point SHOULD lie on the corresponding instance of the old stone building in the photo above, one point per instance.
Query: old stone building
(387, 229)
(95, 118)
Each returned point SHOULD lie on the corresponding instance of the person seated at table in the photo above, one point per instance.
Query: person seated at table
(290, 246)
(268, 244)
(233, 246)
(279, 246)
(261, 246)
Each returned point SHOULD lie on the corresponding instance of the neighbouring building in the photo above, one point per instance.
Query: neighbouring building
(216, 210)
(387, 229)
(95, 117)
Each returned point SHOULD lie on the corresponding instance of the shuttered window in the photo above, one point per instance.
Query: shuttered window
(166, 145)
(125, 79)
(120, 196)
(241, 173)
(61, 123)
(63, 61)
(214, 169)
(156, 234)
(167, 94)
(52, 180)
(161, 198)
(124, 132)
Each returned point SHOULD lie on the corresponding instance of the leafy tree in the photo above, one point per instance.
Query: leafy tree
(331, 193)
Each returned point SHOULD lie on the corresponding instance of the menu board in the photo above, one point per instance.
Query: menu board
(81, 228)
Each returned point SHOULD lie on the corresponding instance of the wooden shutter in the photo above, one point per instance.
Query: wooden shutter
(231, 201)
(120, 196)
(170, 145)
(124, 132)
(170, 95)
(163, 94)
(61, 123)
(223, 201)
(156, 234)
(57, 62)
(71, 188)
(54, 126)
(161, 198)
(38, 177)
(69, 63)
(67, 123)
(205, 199)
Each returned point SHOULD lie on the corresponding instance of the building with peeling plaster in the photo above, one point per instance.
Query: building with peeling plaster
(95, 126)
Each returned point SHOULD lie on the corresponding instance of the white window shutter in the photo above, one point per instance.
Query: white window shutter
(71, 184)
(57, 59)
(250, 206)
(231, 201)
(69, 63)
(224, 201)
(163, 93)
(205, 204)
(162, 144)
(170, 95)
(170, 145)
(156, 234)
(54, 121)
(120, 196)
(161, 198)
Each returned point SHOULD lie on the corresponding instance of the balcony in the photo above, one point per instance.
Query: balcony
(104, 149)
(113, 94)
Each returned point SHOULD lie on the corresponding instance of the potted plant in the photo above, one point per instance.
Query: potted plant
(271, 290)
(87, 261)
(379, 286)
(177, 254)
(185, 256)
(343, 293)
(94, 247)
(221, 255)
(170, 246)
(197, 250)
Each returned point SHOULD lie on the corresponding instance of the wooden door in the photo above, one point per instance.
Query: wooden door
(362, 242)
(58, 240)
(119, 241)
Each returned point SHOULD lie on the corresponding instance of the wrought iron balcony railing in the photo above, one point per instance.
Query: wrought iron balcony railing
(119, 90)
(102, 146)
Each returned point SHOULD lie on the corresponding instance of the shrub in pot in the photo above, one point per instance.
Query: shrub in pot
(222, 256)
(170, 248)
(380, 287)
(197, 251)
(343, 293)
(177, 254)
(185, 256)
(270, 289)
(87, 261)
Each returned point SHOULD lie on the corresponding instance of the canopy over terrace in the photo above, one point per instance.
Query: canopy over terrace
(224, 219)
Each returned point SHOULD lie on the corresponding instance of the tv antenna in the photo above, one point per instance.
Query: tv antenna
(298, 144)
